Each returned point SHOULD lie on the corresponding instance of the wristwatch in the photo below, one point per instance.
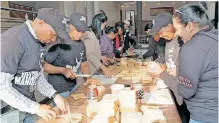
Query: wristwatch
(54, 95)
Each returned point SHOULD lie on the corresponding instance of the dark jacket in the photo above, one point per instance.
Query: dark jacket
(198, 75)
(156, 50)
(128, 39)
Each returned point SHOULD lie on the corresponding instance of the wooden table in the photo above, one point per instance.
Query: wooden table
(79, 106)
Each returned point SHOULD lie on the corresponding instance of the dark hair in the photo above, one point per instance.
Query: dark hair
(193, 13)
(120, 25)
(101, 11)
(111, 29)
(148, 26)
(97, 20)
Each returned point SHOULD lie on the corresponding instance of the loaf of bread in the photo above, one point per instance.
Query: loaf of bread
(127, 98)
(153, 115)
(102, 118)
(73, 117)
(92, 108)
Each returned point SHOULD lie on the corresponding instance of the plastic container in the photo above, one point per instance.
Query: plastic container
(115, 88)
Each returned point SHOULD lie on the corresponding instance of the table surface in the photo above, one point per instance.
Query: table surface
(79, 106)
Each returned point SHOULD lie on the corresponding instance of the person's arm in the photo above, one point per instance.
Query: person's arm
(51, 69)
(103, 46)
(151, 49)
(44, 87)
(50, 57)
(161, 54)
(12, 97)
(169, 80)
(191, 62)
(85, 68)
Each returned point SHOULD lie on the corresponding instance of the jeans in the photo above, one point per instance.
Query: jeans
(193, 121)
(182, 109)
(67, 93)
(16, 116)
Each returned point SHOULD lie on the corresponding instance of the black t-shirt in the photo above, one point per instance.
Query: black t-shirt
(69, 55)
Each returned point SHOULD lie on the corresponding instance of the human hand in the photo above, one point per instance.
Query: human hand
(68, 73)
(46, 112)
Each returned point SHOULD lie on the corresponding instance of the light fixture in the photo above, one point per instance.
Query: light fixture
(173, 2)
(144, 4)
(122, 6)
(127, 6)
(158, 3)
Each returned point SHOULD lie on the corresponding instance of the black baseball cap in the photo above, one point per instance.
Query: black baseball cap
(54, 18)
(79, 21)
(161, 20)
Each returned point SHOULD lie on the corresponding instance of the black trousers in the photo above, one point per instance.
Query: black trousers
(183, 111)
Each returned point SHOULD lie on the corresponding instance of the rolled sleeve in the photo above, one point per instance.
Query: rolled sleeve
(12, 97)
(44, 87)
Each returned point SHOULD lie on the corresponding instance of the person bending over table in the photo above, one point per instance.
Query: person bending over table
(22, 54)
(164, 29)
(67, 58)
(106, 44)
(198, 62)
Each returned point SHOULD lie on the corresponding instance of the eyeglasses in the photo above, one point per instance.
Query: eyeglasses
(183, 14)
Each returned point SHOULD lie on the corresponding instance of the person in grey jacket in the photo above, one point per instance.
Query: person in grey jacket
(198, 62)
(164, 29)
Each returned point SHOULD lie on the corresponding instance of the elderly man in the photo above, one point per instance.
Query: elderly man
(21, 62)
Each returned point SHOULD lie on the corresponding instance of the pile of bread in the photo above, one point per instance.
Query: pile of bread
(122, 108)
(136, 75)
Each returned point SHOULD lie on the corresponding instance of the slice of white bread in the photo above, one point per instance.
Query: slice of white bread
(102, 118)
(131, 117)
(153, 115)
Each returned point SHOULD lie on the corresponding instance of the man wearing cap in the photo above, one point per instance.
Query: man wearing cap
(127, 36)
(163, 28)
(65, 60)
(21, 74)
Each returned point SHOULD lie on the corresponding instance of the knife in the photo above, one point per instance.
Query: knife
(83, 75)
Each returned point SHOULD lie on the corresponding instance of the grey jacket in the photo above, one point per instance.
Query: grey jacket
(198, 75)
(171, 56)
(93, 52)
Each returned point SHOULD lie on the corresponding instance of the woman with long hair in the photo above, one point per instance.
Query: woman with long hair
(118, 42)
(92, 44)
